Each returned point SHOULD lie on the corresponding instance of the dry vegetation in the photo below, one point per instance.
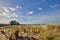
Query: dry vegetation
(37, 32)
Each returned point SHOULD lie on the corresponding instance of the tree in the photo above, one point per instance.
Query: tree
(17, 23)
(14, 23)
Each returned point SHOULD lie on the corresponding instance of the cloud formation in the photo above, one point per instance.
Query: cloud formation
(6, 10)
(54, 6)
(30, 12)
(12, 9)
(20, 7)
(40, 9)
(6, 14)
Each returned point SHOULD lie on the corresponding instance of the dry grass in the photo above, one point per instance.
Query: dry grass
(40, 32)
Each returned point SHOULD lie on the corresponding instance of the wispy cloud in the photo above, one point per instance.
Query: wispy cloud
(29, 12)
(6, 14)
(17, 6)
(15, 15)
(40, 8)
(21, 7)
(6, 10)
(54, 5)
(12, 9)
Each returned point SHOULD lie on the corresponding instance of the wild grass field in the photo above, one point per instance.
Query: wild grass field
(30, 32)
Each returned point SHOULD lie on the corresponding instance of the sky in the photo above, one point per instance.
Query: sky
(30, 11)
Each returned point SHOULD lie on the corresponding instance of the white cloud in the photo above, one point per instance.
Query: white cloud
(40, 9)
(8, 17)
(6, 14)
(30, 12)
(55, 5)
(6, 10)
(17, 6)
(13, 9)
(21, 7)
(14, 14)
(0, 13)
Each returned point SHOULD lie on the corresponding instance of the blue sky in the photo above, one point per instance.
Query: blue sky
(30, 11)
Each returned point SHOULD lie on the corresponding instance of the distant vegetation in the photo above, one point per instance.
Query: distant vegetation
(14, 23)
